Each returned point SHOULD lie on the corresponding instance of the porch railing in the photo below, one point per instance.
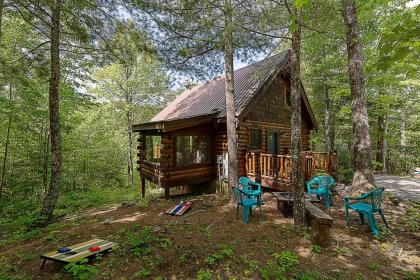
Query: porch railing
(279, 167)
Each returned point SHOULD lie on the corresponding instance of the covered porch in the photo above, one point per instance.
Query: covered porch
(275, 171)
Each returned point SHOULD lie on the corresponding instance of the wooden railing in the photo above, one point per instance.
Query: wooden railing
(279, 167)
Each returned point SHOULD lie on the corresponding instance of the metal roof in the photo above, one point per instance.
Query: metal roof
(209, 97)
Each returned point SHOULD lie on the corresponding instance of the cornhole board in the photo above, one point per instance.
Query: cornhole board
(179, 209)
(78, 252)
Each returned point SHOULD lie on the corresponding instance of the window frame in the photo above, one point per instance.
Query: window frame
(191, 165)
(145, 150)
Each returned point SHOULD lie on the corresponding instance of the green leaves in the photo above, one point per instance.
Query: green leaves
(300, 4)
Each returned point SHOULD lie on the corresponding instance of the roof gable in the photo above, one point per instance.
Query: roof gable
(209, 98)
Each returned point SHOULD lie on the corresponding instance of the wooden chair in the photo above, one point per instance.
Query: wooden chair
(367, 205)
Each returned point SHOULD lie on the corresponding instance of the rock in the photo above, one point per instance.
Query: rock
(108, 221)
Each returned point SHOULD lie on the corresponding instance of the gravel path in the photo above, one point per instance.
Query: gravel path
(404, 187)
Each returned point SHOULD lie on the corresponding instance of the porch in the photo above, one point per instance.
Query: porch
(275, 171)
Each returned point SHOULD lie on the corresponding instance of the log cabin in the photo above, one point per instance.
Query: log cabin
(186, 143)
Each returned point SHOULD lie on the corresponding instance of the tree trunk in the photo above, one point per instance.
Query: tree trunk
(129, 143)
(52, 194)
(296, 127)
(327, 120)
(380, 143)
(385, 148)
(6, 146)
(362, 163)
(403, 142)
(1, 18)
(230, 102)
(45, 161)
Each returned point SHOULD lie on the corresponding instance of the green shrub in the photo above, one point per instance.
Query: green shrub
(316, 249)
(344, 175)
(412, 216)
(81, 271)
(285, 260)
(204, 274)
(374, 266)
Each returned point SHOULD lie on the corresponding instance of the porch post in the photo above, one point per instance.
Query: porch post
(330, 161)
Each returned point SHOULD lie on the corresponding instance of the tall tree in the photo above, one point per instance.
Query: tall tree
(363, 173)
(131, 48)
(327, 118)
(193, 45)
(296, 122)
(230, 101)
(54, 112)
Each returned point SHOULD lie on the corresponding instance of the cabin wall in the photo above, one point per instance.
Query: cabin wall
(270, 112)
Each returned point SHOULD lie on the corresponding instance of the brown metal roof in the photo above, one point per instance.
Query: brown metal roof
(209, 100)
(209, 97)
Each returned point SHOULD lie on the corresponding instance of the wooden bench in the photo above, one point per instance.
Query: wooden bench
(320, 222)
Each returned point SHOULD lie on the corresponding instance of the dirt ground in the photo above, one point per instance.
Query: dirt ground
(185, 246)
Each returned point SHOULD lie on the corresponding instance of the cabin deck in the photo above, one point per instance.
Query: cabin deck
(275, 171)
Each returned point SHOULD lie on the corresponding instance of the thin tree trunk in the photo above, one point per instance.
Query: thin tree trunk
(1, 17)
(45, 161)
(296, 127)
(403, 141)
(129, 143)
(362, 163)
(6, 146)
(385, 147)
(327, 120)
(52, 194)
(380, 142)
(230, 102)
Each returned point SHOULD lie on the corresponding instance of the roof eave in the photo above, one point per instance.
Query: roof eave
(174, 124)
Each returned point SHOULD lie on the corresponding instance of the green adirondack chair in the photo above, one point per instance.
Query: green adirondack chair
(367, 205)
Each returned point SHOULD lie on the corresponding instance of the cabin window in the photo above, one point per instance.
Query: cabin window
(255, 138)
(153, 147)
(192, 150)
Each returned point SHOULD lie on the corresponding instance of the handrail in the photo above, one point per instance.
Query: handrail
(279, 167)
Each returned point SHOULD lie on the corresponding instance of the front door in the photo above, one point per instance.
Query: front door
(272, 142)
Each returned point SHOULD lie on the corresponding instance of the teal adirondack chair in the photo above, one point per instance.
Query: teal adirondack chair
(325, 184)
(247, 200)
(367, 205)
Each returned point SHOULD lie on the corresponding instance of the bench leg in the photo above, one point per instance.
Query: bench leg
(261, 217)
(43, 263)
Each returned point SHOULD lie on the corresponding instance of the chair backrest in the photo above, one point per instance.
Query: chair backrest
(244, 181)
(325, 181)
(249, 185)
(377, 197)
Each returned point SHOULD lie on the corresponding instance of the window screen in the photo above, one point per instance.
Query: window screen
(192, 150)
(153, 148)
